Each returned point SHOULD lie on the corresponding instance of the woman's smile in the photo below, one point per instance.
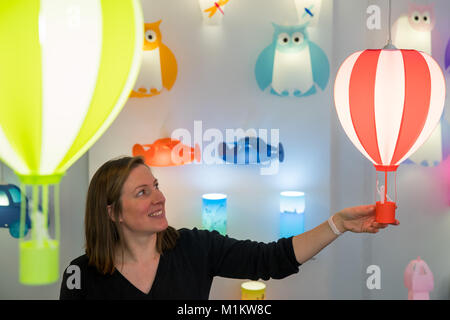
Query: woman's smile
(157, 214)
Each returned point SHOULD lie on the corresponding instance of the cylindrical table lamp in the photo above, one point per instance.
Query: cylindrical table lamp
(253, 290)
(214, 212)
(292, 213)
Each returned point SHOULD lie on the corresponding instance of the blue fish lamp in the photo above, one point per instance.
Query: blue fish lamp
(250, 150)
(292, 213)
(214, 212)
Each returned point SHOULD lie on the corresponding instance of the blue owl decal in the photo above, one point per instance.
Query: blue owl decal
(292, 65)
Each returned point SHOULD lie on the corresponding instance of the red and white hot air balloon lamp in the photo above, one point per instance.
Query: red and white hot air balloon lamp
(389, 101)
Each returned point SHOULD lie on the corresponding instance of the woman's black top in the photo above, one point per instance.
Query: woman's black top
(187, 270)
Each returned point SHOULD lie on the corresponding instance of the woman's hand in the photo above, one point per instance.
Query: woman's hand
(359, 219)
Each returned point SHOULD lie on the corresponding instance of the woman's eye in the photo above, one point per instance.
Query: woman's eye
(141, 192)
(157, 186)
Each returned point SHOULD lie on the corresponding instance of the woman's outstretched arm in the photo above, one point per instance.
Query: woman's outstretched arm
(355, 219)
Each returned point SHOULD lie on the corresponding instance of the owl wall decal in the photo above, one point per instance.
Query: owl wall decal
(292, 64)
(413, 31)
(158, 67)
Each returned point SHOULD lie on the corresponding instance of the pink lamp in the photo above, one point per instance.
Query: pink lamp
(418, 280)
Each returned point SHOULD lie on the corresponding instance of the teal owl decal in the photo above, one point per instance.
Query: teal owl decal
(292, 65)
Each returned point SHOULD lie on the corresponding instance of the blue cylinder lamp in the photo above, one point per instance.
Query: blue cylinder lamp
(214, 212)
(292, 213)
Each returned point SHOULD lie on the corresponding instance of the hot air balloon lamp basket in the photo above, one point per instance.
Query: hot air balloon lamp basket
(39, 261)
(39, 252)
(385, 206)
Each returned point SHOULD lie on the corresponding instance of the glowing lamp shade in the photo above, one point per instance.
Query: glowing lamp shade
(212, 11)
(308, 11)
(167, 152)
(292, 213)
(67, 68)
(418, 279)
(214, 212)
(389, 102)
(253, 290)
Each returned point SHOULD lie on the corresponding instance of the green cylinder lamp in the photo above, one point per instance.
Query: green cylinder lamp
(253, 290)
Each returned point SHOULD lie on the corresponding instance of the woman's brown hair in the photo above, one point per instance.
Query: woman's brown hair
(103, 235)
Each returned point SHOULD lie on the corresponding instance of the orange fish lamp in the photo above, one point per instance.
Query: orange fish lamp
(167, 152)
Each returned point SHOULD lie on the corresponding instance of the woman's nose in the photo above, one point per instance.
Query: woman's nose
(157, 197)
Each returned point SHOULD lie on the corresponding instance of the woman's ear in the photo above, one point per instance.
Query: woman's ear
(110, 212)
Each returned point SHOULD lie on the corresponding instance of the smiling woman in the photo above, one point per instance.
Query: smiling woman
(132, 252)
(122, 196)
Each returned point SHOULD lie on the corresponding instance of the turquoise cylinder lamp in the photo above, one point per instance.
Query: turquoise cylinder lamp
(214, 212)
(292, 213)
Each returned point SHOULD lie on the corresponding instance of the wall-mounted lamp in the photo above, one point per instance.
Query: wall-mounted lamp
(167, 152)
(308, 11)
(413, 30)
(158, 65)
(292, 65)
(250, 150)
(419, 280)
(214, 212)
(212, 11)
(10, 200)
(292, 213)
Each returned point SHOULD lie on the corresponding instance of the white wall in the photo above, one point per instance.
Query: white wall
(216, 85)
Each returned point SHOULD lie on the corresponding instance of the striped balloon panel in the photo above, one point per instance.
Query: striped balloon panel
(389, 102)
